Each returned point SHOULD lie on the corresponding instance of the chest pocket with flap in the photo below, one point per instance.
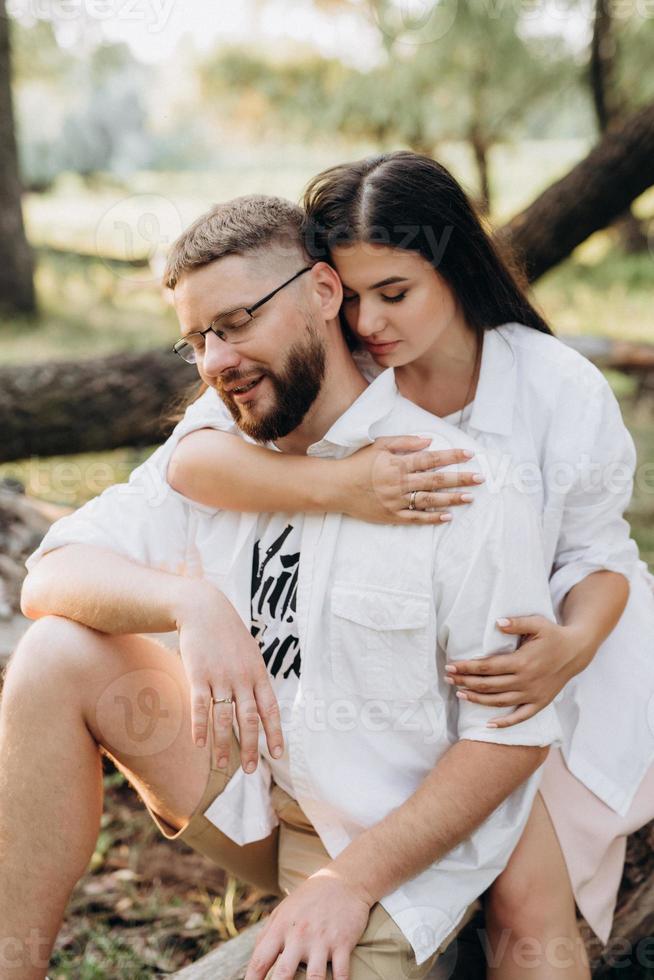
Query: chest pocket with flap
(382, 642)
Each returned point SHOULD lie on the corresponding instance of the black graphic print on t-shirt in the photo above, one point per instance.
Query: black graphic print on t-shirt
(275, 565)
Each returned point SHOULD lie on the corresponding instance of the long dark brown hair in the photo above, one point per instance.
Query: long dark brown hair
(409, 201)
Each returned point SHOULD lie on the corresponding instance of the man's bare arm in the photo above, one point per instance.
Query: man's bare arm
(108, 592)
(467, 784)
(113, 594)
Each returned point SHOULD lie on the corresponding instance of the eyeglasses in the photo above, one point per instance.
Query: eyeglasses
(233, 327)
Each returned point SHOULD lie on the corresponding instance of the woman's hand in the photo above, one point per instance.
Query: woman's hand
(531, 677)
(223, 660)
(381, 477)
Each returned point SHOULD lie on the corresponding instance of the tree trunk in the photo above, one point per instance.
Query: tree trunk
(480, 151)
(602, 55)
(57, 408)
(609, 109)
(16, 263)
(591, 196)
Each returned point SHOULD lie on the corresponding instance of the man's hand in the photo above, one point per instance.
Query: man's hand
(222, 659)
(319, 923)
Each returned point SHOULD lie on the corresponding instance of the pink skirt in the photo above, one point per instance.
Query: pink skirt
(593, 838)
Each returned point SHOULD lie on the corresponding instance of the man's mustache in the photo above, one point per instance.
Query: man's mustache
(236, 378)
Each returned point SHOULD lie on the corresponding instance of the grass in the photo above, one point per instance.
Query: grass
(145, 906)
(86, 309)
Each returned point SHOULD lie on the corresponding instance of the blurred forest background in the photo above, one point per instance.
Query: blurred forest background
(121, 121)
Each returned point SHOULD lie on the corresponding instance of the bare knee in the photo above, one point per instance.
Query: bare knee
(528, 904)
(47, 650)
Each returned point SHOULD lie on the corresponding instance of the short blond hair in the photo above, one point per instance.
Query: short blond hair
(242, 226)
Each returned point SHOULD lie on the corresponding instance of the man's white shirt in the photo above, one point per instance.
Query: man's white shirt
(380, 610)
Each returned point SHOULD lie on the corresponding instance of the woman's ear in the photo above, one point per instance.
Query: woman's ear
(328, 289)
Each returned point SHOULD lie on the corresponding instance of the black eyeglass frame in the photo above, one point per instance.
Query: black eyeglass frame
(178, 347)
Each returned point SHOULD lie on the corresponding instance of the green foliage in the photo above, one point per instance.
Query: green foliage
(477, 79)
(635, 59)
(260, 93)
(35, 54)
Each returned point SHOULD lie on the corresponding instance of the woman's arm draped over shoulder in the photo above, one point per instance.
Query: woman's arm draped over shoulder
(212, 465)
(220, 469)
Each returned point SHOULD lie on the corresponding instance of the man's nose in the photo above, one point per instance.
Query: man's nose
(219, 356)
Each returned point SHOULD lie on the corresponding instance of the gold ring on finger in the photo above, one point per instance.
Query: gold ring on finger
(412, 500)
(222, 700)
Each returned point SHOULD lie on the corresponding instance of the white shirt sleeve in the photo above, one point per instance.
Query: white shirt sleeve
(144, 520)
(490, 564)
(595, 474)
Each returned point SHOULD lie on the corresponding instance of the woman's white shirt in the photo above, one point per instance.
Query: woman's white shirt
(552, 418)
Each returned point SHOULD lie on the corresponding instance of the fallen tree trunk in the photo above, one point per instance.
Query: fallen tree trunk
(23, 522)
(57, 408)
(125, 400)
(591, 196)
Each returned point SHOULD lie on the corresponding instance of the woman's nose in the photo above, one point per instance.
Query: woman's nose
(369, 320)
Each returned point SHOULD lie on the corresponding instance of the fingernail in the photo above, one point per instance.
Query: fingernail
(460, 694)
(277, 752)
(478, 478)
(251, 766)
(222, 762)
(468, 453)
(467, 497)
(503, 622)
(199, 741)
(445, 518)
(449, 680)
(491, 724)
(450, 668)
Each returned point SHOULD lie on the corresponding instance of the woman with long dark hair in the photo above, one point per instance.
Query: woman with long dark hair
(427, 293)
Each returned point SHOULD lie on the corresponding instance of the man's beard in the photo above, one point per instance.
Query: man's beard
(296, 387)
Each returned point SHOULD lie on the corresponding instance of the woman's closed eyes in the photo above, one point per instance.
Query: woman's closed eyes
(386, 299)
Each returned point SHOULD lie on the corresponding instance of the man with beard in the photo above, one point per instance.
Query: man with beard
(381, 807)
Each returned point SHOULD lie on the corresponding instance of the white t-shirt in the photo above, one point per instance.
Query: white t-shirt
(273, 606)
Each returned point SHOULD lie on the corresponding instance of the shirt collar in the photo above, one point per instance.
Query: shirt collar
(494, 402)
(492, 409)
(352, 429)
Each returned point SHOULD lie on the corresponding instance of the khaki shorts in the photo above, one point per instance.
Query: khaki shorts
(279, 863)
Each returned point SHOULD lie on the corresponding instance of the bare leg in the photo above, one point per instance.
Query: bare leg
(530, 912)
(67, 690)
